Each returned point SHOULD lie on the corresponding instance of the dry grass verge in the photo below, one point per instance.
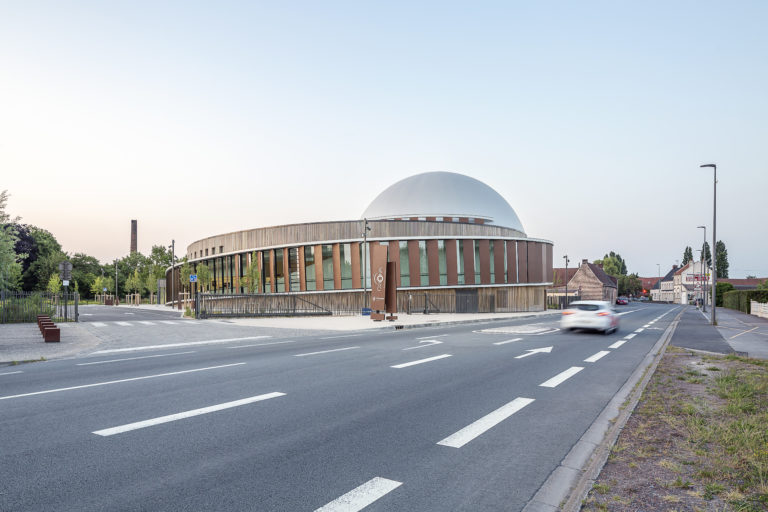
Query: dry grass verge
(697, 441)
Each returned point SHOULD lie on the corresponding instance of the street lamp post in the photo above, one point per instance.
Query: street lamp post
(703, 273)
(714, 238)
(173, 267)
(658, 268)
(366, 229)
(566, 281)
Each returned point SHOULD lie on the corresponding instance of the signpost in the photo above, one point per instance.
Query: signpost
(65, 274)
(193, 278)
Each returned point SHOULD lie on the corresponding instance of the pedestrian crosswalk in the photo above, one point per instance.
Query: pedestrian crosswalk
(137, 323)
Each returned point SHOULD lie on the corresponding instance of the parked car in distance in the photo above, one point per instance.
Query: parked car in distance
(622, 301)
(590, 314)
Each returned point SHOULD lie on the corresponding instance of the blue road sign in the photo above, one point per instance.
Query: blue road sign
(193, 278)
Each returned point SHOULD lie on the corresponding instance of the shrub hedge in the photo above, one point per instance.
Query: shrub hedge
(740, 299)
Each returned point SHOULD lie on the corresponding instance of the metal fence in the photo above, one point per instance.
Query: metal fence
(256, 305)
(19, 307)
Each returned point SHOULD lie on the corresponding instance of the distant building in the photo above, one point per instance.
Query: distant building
(664, 291)
(593, 283)
(691, 282)
(743, 284)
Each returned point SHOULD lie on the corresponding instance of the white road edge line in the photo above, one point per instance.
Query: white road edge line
(507, 341)
(134, 358)
(11, 373)
(362, 496)
(342, 336)
(561, 377)
(618, 344)
(118, 381)
(182, 415)
(485, 423)
(596, 357)
(173, 345)
(324, 351)
(435, 358)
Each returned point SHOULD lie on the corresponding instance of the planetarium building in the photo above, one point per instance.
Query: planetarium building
(457, 246)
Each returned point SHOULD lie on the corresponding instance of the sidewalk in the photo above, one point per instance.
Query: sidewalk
(23, 342)
(743, 332)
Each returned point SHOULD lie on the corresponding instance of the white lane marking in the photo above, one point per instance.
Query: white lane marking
(618, 344)
(628, 312)
(430, 337)
(485, 423)
(561, 377)
(507, 341)
(630, 336)
(343, 336)
(429, 343)
(531, 351)
(168, 322)
(145, 322)
(98, 324)
(86, 314)
(11, 373)
(639, 330)
(595, 357)
(646, 326)
(652, 322)
(134, 358)
(263, 344)
(362, 496)
(532, 329)
(324, 351)
(124, 324)
(118, 381)
(182, 415)
(127, 313)
(173, 345)
(404, 365)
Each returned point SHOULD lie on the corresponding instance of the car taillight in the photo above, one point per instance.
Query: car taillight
(603, 313)
(567, 312)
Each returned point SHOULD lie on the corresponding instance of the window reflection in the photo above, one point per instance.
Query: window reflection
(328, 267)
(405, 267)
(309, 267)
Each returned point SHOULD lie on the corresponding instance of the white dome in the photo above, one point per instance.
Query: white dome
(443, 194)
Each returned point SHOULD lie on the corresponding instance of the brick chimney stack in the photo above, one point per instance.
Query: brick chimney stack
(133, 236)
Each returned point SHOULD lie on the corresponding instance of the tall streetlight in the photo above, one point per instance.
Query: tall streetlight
(703, 273)
(714, 237)
(658, 268)
(173, 267)
(366, 229)
(566, 280)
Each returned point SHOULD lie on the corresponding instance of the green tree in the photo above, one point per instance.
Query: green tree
(721, 289)
(687, 255)
(252, 279)
(630, 285)
(54, 284)
(613, 264)
(133, 283)
(706, 255)
(721, 255)
(204, 276)
(763, 286)
(185, 270)
(10, 261)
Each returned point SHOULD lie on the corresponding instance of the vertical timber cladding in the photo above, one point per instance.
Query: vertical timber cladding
(272, 285)
(469, 262)
(336, 267)
(451, 263)
(433, 263)
(549, 264)
(394, 256)
(498, 261)
(512, 262)
(413, 262)
(535, 262)
(355, 247)
(485, 262)
(522, 262)
(319, 267)
(302, 270)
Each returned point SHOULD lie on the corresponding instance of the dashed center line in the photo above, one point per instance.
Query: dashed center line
(182, 415)
(618, 344)
(134, 358)
(630, 336)
(324, 351)
(507, 341)
(420, 361)
(561, 377)
(124, 324)
(640, 329)
(145, 322)
(595, 357)
(362, 496)
(485, 423)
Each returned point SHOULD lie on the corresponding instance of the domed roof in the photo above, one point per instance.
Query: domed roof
(443, 194)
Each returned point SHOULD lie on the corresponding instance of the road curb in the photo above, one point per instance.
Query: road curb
(569, 483)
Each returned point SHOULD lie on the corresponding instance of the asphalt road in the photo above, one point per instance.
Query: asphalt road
(465, 417)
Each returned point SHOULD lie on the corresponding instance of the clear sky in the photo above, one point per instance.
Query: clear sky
(199, 118)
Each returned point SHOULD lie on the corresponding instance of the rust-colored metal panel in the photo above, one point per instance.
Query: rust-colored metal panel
(498, 261)
(319, 267)
(548, 264)
(464, 220)
(391, 293)
(432, 218)
(337, 266)
(511, 262)
(450, 262)
(286, 271)
(479, 221)
(433, 263)
(302, 270)
(394, 256)
(535, 262)
(236, 277)
(485, 262)
(413, 262)
(522, 262)
(378, 278)
(272, 285)
(469, 262)
(355, 248)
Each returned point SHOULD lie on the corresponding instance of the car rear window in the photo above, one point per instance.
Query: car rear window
(587, 307)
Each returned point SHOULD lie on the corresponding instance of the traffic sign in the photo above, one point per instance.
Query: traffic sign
(193, 278)
(65, 282)
(104, 289)
(65, 270)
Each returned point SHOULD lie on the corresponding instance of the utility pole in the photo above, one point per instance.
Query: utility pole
(658, 268)
(366, 273)
(173, 267)
(714, 238)
(116, 295)
(566, 281)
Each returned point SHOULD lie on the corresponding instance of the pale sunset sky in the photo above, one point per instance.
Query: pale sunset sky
(199, 118)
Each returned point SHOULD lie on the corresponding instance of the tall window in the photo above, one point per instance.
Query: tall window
(328, 267)
(346, 266)
(279, 271)
(220, 285)
(460, 261)
(266, 278)
(423, 263)
(293, 269)
(477, 261)
(405, 267)
(442, 263)
(309, 267)
(493, 262)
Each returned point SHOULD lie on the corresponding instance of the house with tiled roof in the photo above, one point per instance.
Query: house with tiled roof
(593, 283)
(743, 284)
(692, 281)
(664, 290)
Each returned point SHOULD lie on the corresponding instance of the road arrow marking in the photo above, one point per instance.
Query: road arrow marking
(428, 343)
(531, 351)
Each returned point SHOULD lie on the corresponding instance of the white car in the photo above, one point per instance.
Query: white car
(590, 314)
